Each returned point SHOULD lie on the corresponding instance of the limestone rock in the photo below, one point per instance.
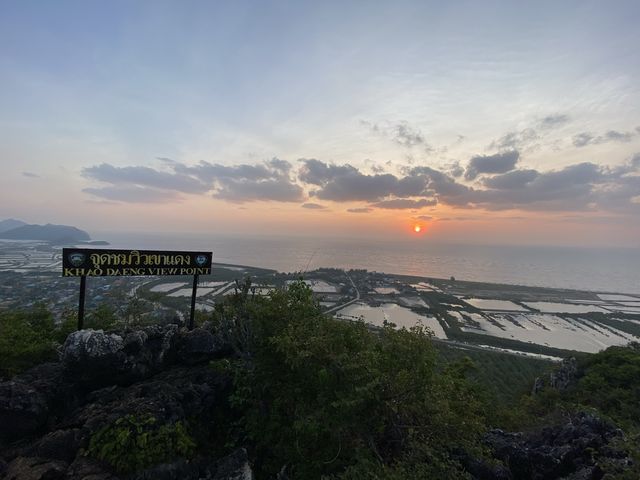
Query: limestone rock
(234, 467)
(23, 410)
(197, 346)
(562, 378)
(562, 451)
(28, 468)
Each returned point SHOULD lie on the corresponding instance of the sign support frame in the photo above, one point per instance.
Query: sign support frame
(193, 301)
(85, 262)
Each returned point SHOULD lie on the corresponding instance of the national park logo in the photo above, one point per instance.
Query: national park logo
(76, 259)
(201, 260)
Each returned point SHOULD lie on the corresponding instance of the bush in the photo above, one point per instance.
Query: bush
(27, 338)
(134, 443)
(330, 397)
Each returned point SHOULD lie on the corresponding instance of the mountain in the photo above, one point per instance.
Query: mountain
(48, 232)
(10, 224)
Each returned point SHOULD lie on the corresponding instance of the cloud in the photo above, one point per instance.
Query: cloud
(587, 138)
(313, 206)
(498, 163)
(145, 177)
(528, 138)
(455, 169)
(511, 180)
(405, 135)
(515, 140)
(426, 218)
(583, 186)
(405, 203)
(401, 133)
(551, 121)
(347, 183)
(582, 139)
(30, 175)
(133, 194)
(267, 181)
(501, 186)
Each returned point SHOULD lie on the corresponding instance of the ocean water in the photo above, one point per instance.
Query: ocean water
(597, 269)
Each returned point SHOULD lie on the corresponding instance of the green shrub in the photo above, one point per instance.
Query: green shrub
(134, 443)
(27, 338)
(329, 397)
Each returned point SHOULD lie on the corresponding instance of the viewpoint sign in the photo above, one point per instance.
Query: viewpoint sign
(89, 262)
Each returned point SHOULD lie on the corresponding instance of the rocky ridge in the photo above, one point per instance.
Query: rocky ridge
(50, 413)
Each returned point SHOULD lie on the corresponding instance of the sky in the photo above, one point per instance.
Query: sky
(481, 122)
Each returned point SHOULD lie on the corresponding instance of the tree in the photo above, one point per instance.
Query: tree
(330, 397)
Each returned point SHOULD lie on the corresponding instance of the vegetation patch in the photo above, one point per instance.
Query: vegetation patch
(133, 443)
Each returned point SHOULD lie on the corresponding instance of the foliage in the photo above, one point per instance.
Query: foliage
(30, 336)
(134, 443)
(608, 383)
(330, 397)
(505, 377)
(102, 318)
(26, 339)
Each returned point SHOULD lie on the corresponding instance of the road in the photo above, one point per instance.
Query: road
(338, 307)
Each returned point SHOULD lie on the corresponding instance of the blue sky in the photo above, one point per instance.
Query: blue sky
(144, 91)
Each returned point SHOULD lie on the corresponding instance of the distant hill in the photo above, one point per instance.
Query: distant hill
(48, 232)
(10, 224)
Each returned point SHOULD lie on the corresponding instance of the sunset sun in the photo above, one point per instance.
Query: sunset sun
(417, 228)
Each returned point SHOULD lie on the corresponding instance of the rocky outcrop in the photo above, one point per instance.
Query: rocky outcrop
(560, 379)
(197, 345)
(49, 414)
(571, 451)
(94, 358)
(565, 376)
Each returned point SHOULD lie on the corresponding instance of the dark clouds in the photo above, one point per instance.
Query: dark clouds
(587, 138)
(347, 183)
(498, 163)
(511, 180)
(404, 203)
(270, 181)
(145, 177)
(491, 182)
(30, 175)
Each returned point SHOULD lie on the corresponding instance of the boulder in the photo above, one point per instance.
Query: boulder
(28, 468)
(567, 451)
(234, 467)
(564, 376)
(197, 346)
(23, 409)
(94, 359)
(84, 468)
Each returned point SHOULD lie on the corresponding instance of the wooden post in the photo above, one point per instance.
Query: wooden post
(193, 301)
(83, 286)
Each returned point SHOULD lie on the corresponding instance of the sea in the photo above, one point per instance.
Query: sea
(614, 270)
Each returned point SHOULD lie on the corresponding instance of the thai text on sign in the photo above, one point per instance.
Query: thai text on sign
(89, 262)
